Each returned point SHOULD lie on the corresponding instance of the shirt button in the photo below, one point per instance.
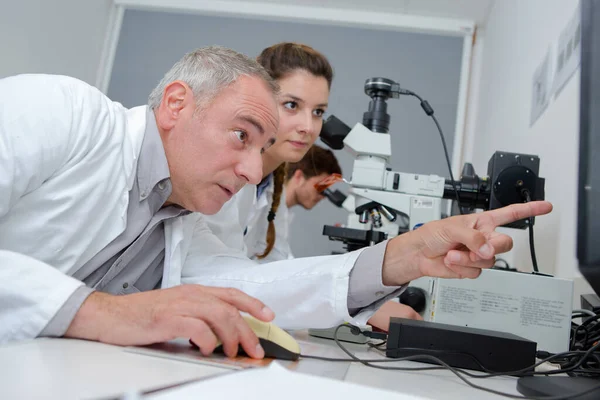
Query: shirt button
(379, 294)
(125, 285)
(161, 185)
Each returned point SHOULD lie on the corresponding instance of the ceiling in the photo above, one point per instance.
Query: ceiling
(474, 10)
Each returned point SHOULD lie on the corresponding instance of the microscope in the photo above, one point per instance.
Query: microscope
(383, 203)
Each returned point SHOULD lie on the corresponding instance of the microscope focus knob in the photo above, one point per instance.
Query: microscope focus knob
(415, 298)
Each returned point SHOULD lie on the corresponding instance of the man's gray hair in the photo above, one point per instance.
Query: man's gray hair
(207, 71)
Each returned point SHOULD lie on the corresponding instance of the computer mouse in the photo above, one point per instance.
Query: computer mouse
(276, 342)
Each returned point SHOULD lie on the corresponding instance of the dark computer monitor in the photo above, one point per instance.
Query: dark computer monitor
(588, 207)
(588, 210)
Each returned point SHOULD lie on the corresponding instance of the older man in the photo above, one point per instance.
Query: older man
(94, 200)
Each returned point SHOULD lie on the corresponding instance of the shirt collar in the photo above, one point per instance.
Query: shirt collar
(153, 169)
(260, 188)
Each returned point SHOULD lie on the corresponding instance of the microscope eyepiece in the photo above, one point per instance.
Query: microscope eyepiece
(380, 87)
(379, 90)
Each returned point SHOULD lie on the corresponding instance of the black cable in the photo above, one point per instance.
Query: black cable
(568, 362)
(429, 111)
(590, 313)
(377, 345)
(415, 357)
(506, 266)
(532, 247)
(580, 315)
(458, 372)
(527, 196)
(528, 371)
(455, 371)
(593, 339)
(591, 320)
(574, 338)
(586, 333)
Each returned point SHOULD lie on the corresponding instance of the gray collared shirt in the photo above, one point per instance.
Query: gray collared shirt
(133, 261)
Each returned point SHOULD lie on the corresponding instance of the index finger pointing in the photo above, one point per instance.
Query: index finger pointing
(515, 212)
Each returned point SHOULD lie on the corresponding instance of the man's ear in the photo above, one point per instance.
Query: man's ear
(177, 97)
(299, 176)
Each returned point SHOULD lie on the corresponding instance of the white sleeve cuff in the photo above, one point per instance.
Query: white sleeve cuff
(61, 321)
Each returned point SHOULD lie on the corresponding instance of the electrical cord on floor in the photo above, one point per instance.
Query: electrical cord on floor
(529, 371)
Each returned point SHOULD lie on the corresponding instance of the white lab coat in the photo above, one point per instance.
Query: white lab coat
(68, 158)
(309, 292)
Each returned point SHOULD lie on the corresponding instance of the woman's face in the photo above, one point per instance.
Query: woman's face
(302, 102)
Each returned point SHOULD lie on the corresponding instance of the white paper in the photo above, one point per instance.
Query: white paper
(276, 382)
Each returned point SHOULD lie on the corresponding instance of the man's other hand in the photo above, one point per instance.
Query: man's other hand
(200, 313)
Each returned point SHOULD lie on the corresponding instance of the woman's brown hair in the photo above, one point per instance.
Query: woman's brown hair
(279, 60)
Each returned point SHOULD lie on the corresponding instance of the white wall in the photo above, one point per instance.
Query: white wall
(58, 37)
(514, 42)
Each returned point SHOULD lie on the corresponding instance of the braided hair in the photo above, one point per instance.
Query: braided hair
(278, 180)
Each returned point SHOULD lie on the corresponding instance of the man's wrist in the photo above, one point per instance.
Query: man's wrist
(61, 321)
(92, 318)
(401, 261)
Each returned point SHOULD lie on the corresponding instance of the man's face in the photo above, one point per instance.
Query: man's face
(307, 195)
(213, 152)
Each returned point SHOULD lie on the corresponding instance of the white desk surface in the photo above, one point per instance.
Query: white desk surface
(73, 369)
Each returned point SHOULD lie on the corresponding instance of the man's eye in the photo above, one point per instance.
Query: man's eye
(291, 105)
(241, 135)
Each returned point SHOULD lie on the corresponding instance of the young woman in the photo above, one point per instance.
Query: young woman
(304, 76)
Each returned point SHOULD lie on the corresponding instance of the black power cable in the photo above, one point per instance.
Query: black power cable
(529, 371)
(429, 111)
(530, 220)
(526, 194)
